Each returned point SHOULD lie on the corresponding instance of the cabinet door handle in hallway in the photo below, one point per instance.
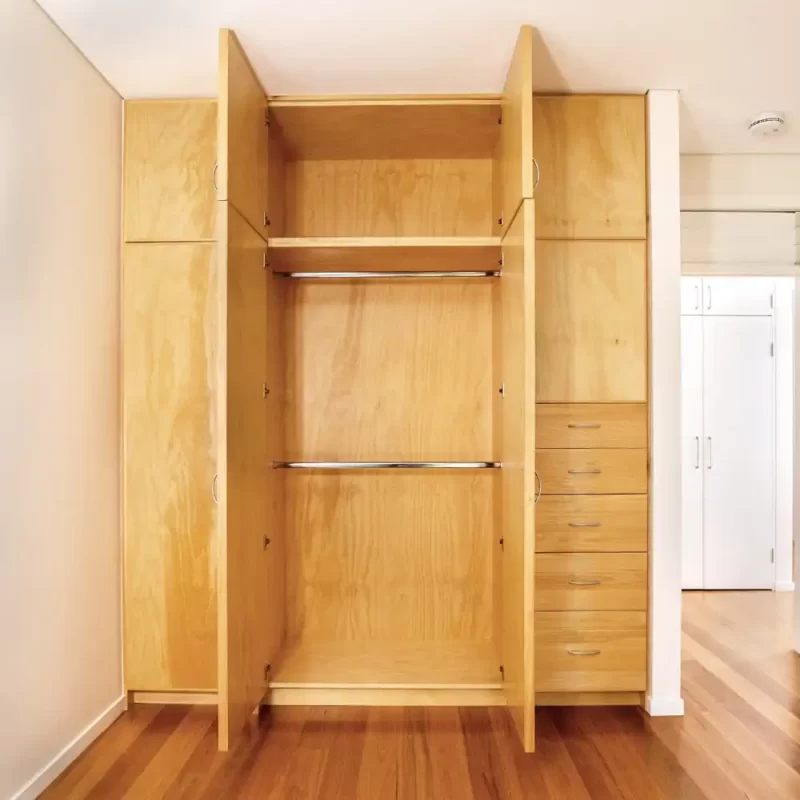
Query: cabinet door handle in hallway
(584, 652)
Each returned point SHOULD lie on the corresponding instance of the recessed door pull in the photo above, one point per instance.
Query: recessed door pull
(585, 525)
(579, 582)
(592, 425)
(584, 471)
(584, 652)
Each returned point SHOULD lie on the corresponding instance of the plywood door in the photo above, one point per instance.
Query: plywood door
(170, 151)
(518, 480)
(592, 151)
(692, 471)
(250, 607)
(516, 136)
(739, 439)
(170, 569)
(243, 135)
(591, 323)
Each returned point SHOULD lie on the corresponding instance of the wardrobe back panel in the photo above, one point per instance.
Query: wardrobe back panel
(389, 370)
(389, 556)
(388, 197)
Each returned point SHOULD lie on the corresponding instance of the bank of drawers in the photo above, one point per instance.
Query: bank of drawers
(591, 543)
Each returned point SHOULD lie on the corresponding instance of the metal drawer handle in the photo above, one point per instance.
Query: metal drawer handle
(577, 582)
(584, 425)
(214, 489)
(584, 471)
(585, 525)
(541, 486)
(214, 176)
(584, 652)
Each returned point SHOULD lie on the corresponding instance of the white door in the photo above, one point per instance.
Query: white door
(739, 453)
(739, 296)
(691, 295)
(692, 450)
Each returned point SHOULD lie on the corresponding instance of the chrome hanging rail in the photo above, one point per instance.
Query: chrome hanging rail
(386, 465)
(387, 274)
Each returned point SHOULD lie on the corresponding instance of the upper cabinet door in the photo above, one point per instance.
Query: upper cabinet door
(746, 297)
(518, 478)
(691, 296)
(243, 134)
(170, 150)
(516, 138)
(592, 154)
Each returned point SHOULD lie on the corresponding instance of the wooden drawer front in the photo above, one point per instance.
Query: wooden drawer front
(589, 425)
(591, 581)
(592, 471)
(591, 524)
(591, 651)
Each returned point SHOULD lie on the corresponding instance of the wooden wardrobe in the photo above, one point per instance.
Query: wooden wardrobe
(334, 334)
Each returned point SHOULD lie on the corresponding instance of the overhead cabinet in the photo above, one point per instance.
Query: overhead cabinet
(331, 497)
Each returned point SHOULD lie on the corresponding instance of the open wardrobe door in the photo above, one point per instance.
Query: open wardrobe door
(518, 473)
(249, 620)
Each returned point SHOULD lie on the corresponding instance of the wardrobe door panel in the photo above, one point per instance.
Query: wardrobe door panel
(170, 150)
(692, 450)
(516, 171)
(243, 135)
(250, 596)
(169, 342)
(591, 322)
(739, 453)
(591, 149)
(518, 479)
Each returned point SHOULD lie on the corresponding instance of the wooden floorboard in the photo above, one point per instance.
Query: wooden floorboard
(740, 738)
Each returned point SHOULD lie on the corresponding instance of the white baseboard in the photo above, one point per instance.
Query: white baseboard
(39, 782)
(664, 706)
(784, 586)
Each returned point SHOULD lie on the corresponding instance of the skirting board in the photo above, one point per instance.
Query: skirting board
(39, 782)
(301, 696)
(784, 586)
(176, 698)
(664, 706)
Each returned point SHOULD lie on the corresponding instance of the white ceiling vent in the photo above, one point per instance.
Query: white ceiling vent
(767, 123)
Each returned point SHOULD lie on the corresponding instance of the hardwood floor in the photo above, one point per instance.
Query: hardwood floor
(740, 738)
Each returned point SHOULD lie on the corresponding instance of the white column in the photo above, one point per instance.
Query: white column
(664, 241)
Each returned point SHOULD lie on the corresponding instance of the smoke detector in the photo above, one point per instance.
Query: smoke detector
(767, 123)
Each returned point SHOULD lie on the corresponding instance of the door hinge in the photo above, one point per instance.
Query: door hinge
(267, 670)
(264, 390)
(772, 349)
(502, 672)
(500, 220)
(772, 556)
(502, 544)
(266, 118)
(267, 541)
(265, 261)
(266, 220)
(502, 390)
(502, 258)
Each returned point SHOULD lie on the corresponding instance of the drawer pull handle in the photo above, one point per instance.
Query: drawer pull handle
(593, 425)
(584, 652)
(585, 525)
(584, 471)
(577, 582)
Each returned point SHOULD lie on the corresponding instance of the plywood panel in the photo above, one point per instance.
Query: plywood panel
(406, 664)
(591, 651)
(243, 135)
(389, 370)
(592, 471)
(250, 606)
(388, 127)
(588, 425)
(170, 152)
(516, 135)
(170, 567)
(591, 326)
(591, 523)
(592, 151)
(389, 556)
(518, 482)
(418, 197)
(591, 581)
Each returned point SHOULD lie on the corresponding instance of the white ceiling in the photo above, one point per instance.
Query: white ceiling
(730, 58)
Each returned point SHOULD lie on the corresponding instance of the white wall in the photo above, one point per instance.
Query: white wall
(60, 168)
(664, 235)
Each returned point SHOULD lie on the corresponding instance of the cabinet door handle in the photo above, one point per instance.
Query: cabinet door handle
(214, 176)
(540, 485)
(708, 438)
(697, 297)
(585, 525)
(593, 425)
(214, 488)
(697, 452)
(579, 582)
(583, 652)
(708, 304)
(538, 174)
(584, 471)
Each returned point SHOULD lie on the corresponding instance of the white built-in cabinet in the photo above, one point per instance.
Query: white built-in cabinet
(729, 442)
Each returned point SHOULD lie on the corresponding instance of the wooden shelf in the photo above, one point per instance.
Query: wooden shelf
(354, 128)
(387, 665)
(378, 254)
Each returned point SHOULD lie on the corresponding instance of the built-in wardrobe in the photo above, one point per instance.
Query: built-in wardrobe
(385, 413)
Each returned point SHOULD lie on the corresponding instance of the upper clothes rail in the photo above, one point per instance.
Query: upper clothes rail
(386, 465)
